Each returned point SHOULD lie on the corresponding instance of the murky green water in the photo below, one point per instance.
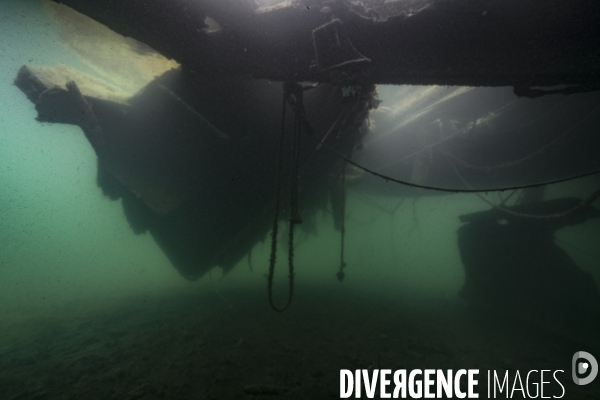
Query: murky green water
(88, 309)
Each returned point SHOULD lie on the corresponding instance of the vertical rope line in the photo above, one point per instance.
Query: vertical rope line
(298, 107)
(340, 275)
(273, 257)
(294, 213)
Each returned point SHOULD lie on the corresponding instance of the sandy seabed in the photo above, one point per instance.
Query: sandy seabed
(231, 345)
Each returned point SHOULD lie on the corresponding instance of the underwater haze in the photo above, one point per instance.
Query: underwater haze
(62, 240)
(91, 310)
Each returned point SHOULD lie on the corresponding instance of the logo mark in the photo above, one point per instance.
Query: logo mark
(589, 366)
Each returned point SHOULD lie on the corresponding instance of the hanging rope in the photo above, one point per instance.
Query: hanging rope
(250, 260)
(292, 94)
(340, 274)
(442, 189)
(298, 116)
(503, 201)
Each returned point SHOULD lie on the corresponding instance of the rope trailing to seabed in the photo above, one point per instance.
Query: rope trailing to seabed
(292, 94)
(340, 274)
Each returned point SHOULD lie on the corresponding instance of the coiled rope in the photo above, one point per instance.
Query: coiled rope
(292, 94)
